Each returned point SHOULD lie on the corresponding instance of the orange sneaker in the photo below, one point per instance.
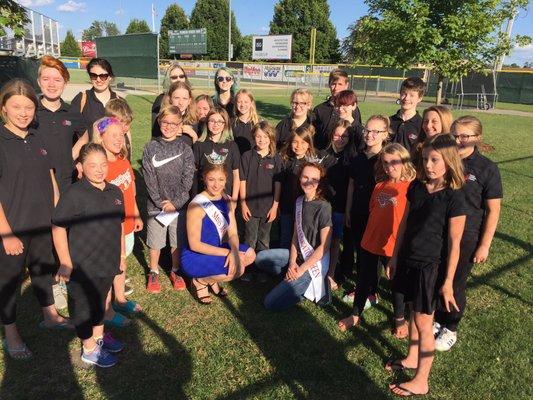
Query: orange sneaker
(177, 281)
(153, 286)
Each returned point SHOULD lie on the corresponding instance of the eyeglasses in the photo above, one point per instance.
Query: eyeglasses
(463, 138)
(341, 137)
(392, 163)
(298, 103)
(170, 124)
(94, 76)
(372, 132)
(175, 77)
(224, 78)
(216, 122)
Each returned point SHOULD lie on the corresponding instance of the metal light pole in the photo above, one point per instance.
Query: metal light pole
(499, 61)
(229, 31)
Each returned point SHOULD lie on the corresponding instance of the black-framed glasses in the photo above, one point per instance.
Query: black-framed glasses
(175, 77)
(373, 132)
(224, 78)
(463, 138)
(170, 124)
(299, 103)
(216, 122)
(94, 76)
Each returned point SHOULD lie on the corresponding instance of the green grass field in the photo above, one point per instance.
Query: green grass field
(234, 349)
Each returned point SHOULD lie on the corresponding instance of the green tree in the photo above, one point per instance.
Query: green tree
(213, 15)
(99, 29)
(138, 26)
(69, 46)
(13, 16)
(246, 48)
(452, 37)
(173, 20)
(350, 52)
(298, 17)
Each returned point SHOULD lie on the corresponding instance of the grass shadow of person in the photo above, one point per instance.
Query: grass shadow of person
(304, 356)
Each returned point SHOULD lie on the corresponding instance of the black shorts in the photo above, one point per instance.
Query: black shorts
(419, 282)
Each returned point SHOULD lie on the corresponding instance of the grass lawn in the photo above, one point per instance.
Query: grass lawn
(234, 349)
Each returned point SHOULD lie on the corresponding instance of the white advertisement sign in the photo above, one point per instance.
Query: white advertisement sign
(272, 47)
(272, 72)
(252, 71)
(294, 73)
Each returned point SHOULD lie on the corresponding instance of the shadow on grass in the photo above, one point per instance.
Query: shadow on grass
(304, 356)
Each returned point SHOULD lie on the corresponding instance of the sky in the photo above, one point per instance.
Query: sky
(253, 16)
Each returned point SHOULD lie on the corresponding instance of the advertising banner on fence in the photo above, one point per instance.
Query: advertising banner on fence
(294, 73)
(271, 47)
(324, 69)
(88, 49)
(272, 72)
(252, 71)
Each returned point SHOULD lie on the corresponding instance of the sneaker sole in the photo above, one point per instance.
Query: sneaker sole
(89, 362)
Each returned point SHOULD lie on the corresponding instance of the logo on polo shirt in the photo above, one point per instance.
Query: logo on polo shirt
(43, 152)
(66, 122)
(269, 166)
(471, 177)
(118, 202)
(412, 136)
(123, 181)
(385, 199)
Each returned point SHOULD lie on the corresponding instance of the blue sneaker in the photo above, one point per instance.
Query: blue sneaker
(99, 357)
(111, 344)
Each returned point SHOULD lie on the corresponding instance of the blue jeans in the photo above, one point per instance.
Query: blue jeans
(286, 222)
(286, 293)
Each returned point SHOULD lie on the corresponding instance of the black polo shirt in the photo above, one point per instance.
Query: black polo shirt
(93, 110)
(338, 175)
(405, 132)
(483, 182)
(59, 130)
(325, 119)
(26, 191)
(285, 127)
(362, 173)
(156, 108)
(426, 230)
(356, 136)
(242, 133)
(226, 153)
(290, 185)
(93, 218)
(260, 173)
(230, 107)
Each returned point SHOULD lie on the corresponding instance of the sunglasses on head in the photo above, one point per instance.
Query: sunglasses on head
(94, 76)
(174, 77)
(224, 78)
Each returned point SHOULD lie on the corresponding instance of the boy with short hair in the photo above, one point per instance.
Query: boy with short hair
(407, 122)
(325, 117)
(120, 109)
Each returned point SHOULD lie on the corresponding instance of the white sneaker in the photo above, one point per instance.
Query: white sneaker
(59, 291)
(436, 329)
(445, 340)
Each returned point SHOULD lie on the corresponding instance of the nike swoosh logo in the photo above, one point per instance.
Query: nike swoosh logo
(160, 163)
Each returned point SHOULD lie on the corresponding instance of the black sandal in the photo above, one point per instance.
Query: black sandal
(203, 299)
(221, 292)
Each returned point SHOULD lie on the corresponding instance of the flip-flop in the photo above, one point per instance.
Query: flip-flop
(407, 392)
(393, 365)
(20, 354)
(128, 308)
(118, 321)
(56, 327)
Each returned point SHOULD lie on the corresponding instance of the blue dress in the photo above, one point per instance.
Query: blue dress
(198, 265)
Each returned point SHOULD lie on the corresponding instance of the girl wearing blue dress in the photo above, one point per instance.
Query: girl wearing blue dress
(213, 253)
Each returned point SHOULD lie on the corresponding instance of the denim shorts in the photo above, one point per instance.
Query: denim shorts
(338, 224)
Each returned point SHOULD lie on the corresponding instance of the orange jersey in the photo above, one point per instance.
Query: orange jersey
(387, 206)
(121, 174)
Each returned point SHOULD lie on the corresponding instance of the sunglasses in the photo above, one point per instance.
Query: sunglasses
(94, 76)
(224, 78)
(174, 77)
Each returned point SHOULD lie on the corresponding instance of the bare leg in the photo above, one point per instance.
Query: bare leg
(175, 254)
(52, 317)
(333, 260)
(154, 259)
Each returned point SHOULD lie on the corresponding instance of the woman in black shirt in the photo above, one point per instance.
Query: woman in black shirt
(301, 103)
(225, 88)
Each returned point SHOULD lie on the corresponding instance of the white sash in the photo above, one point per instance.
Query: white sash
(318, 272)
(214, 214)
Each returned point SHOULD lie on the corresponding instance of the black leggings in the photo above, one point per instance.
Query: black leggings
(39, 258)
(451, 319)
(86, 304)
(367, 278)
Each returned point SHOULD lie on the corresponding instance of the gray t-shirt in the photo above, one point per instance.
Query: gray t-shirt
(316, 214)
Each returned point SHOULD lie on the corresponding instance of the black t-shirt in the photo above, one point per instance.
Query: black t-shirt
(93, 109)
(325, 119)
(426, 231)
(156, 107)
(483, 182)
(405, 132)
(59, 130)
(338, 175)
(316, 215)
(226, 153)
(284, 128)
(26, 191)
(242, 133)
(260, 173)
(356, 136)
(362, 173)
(93, 218)
(230, 107)
(290, 185)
